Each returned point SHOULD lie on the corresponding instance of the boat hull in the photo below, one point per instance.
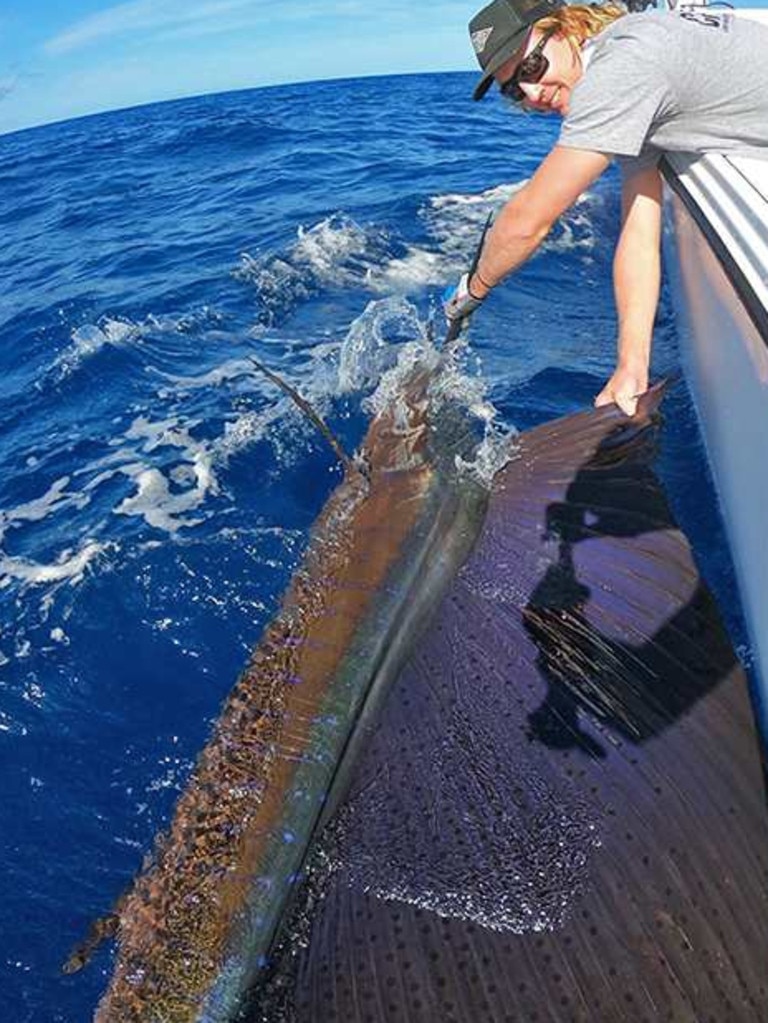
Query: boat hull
(717, 257)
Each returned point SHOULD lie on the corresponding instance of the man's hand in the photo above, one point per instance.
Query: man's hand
(459, 302)
(624, 388)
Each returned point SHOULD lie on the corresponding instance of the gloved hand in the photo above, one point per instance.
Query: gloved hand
(459, 302)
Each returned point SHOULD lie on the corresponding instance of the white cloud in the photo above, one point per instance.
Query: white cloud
(139, 16)
(164, 19)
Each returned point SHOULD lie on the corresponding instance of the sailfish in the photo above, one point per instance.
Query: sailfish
(493, 759)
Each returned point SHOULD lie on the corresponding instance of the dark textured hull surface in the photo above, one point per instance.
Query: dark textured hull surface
(560, 815)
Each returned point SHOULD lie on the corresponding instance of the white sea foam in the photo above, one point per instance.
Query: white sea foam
(231, 369)
(7, 724)
(70, 566)
(418, 268)
(154, 500)
(575, 229)
(54, 499)
(469, 208)
(457, 219)
(164, 494)
(453, 223)
(249, 428)
(197, 454)
(338, 252)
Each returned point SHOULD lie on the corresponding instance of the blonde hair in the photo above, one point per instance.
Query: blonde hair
(579, 22)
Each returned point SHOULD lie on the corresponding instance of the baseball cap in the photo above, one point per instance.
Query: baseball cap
(498, 31)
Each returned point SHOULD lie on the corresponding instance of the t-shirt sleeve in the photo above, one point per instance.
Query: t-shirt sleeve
(614, 105)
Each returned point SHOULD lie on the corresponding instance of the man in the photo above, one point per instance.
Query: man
(628, 87)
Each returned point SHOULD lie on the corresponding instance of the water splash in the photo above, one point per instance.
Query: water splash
(452, 390)
(339, 252)
(454, 222)
(335, 252)
(371, 345)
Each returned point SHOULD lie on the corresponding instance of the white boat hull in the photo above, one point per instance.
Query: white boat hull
(717, 255)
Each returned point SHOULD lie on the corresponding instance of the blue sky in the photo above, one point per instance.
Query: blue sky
(63, 58)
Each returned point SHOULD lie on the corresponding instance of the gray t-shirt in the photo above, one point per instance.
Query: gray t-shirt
(693, 82)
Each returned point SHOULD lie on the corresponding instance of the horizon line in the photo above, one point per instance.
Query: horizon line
(226, 92)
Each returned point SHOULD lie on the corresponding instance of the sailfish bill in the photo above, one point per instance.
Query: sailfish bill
(505, 738)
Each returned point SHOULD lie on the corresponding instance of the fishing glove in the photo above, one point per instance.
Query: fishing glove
(459, 302)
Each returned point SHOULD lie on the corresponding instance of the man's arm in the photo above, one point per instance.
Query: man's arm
(636, 277)
(527, 218)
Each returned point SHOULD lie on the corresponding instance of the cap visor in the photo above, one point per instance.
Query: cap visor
(499, 59)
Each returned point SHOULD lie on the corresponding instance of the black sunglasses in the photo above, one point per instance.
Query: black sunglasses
(531, 68)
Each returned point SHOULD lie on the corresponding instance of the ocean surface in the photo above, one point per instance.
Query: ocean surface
(156, 491)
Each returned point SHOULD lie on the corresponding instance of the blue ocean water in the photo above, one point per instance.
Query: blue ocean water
(156, 492)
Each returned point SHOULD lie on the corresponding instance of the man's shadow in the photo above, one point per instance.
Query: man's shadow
(678, 650)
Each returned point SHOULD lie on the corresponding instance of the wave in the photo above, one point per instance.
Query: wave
(112, 332)
(91, 338)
